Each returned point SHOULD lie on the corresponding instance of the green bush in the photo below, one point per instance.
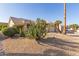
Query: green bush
(74, 26)
(37, 30)
(2, 27)
(9, 32)
(20, 31)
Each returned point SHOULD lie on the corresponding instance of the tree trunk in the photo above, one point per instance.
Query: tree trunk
(38, 40)
(57, 27)
(20, 31)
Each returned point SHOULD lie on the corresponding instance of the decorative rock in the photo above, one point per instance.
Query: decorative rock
(17, 35)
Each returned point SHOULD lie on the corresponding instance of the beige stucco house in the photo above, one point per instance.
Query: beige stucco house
(15, 22)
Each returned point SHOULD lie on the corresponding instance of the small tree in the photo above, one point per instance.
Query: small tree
(74, 26)
(20, 31)
(37, 30)
(56, 24)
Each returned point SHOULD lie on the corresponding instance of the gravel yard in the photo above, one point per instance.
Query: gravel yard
(53, 45)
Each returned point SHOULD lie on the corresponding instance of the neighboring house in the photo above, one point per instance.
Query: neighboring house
(78, 30)
(15, 22)
(2, 23)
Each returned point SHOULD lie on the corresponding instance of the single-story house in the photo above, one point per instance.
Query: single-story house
(15, 22)
(3, 23)
(78, 30)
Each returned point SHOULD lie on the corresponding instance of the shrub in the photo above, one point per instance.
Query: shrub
(74, 26)
(20, 31)
(2, 27)
(9, 32)
(37, 30)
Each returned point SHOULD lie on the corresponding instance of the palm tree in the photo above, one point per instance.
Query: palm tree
(57, 23)
(64, 31)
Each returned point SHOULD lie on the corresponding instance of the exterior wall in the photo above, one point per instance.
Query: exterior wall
(78, 30)
(11, 24)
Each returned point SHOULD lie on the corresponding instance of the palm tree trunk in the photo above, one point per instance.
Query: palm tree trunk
(57, 27)
(64, 31)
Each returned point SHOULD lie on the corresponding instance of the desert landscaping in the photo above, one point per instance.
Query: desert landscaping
(53, 44)
(42, 31)
(37, 39)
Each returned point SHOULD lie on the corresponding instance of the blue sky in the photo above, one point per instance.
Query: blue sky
(47, 11)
